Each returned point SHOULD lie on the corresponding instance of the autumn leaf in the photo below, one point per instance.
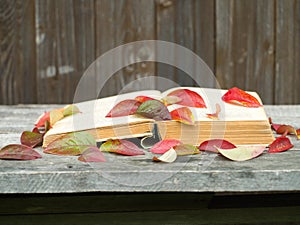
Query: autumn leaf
(242, 153)
(215, 116)
(239, 97)
(183, 115)
(31, 139)
(154, 109)
(213, 144)
(42, 119)
(280, 144)
(186, 149)
(71, 144)
(122, 147)
(188, 98)
(298, 133)
(168, 157)
(283, 128)
(170, 100)
(19, 152)
(92, 154)
(55, 115)
(164, 145)
(124, 108)
(142, 98)
(70, 110)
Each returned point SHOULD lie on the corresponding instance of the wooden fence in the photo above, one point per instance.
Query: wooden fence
(46, 45)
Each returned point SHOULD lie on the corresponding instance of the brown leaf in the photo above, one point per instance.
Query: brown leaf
(122, 147)
(280, 144)
(92, 154)
(31, 139)
(186, 149)
(242, 153)
(164, 145)
(168, 157)
(213, 144)
(188, 98)
(124, 108)
(154, 109)
(239, 97)
(19, 152)
(183, 115)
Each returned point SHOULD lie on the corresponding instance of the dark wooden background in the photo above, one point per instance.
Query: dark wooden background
(46, 45)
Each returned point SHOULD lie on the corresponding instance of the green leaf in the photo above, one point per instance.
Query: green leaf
(71, 144)
(70, 110)
(154, 109)
(122, 147)
(92, 154)
(31, 139)
(242, 153)
(186, 149)
(19, 152)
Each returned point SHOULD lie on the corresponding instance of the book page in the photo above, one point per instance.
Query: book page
(92, 114)
(229, 112)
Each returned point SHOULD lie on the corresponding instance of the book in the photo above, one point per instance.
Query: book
(237, 124)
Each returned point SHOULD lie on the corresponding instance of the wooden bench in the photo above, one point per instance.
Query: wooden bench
(200, 189)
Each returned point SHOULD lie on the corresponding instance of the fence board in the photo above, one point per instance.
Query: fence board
(287, 52)
(245, 46)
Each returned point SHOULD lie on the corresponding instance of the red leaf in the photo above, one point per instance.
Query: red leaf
(142, 98)
(92, 154)
(283, 128)
(298, 133)
(280, 144)
(239, 97)
(213, 144)
(122, 147)
(19, 152)
(183, 115)
(124, 108)
(154, 109)
(42, 119)
(188, 98)
(215, 116)
(31, 139)
(165, 145)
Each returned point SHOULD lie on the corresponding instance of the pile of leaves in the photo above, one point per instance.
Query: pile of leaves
(83, 144)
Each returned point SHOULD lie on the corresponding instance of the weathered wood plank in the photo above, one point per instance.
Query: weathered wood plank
(245, 46)
(287, 72)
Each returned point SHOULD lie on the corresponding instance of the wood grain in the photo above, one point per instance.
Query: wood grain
(287, 72)
(245, 46)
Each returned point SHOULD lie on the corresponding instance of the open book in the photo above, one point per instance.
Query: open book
(237, 124)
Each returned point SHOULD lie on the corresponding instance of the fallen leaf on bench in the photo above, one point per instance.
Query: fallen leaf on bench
(242, 153)
(154, 109)
(19, 152)
(213, 144)
(31, 139)
(122, 147)
(168, 157)
(186, 149)
(188, 98)
(183, 115)
(164, 145)
(283, 128)
(280, 144)
(71, 144)
(124, 108)
(92, 154)
(239, 97)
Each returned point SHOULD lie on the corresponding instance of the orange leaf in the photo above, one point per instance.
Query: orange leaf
(164, 145)
(42, 119)
(183, 115)
(124, 108)
(188, 98)
(142, 98)
(239, 97)
(215, 116)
